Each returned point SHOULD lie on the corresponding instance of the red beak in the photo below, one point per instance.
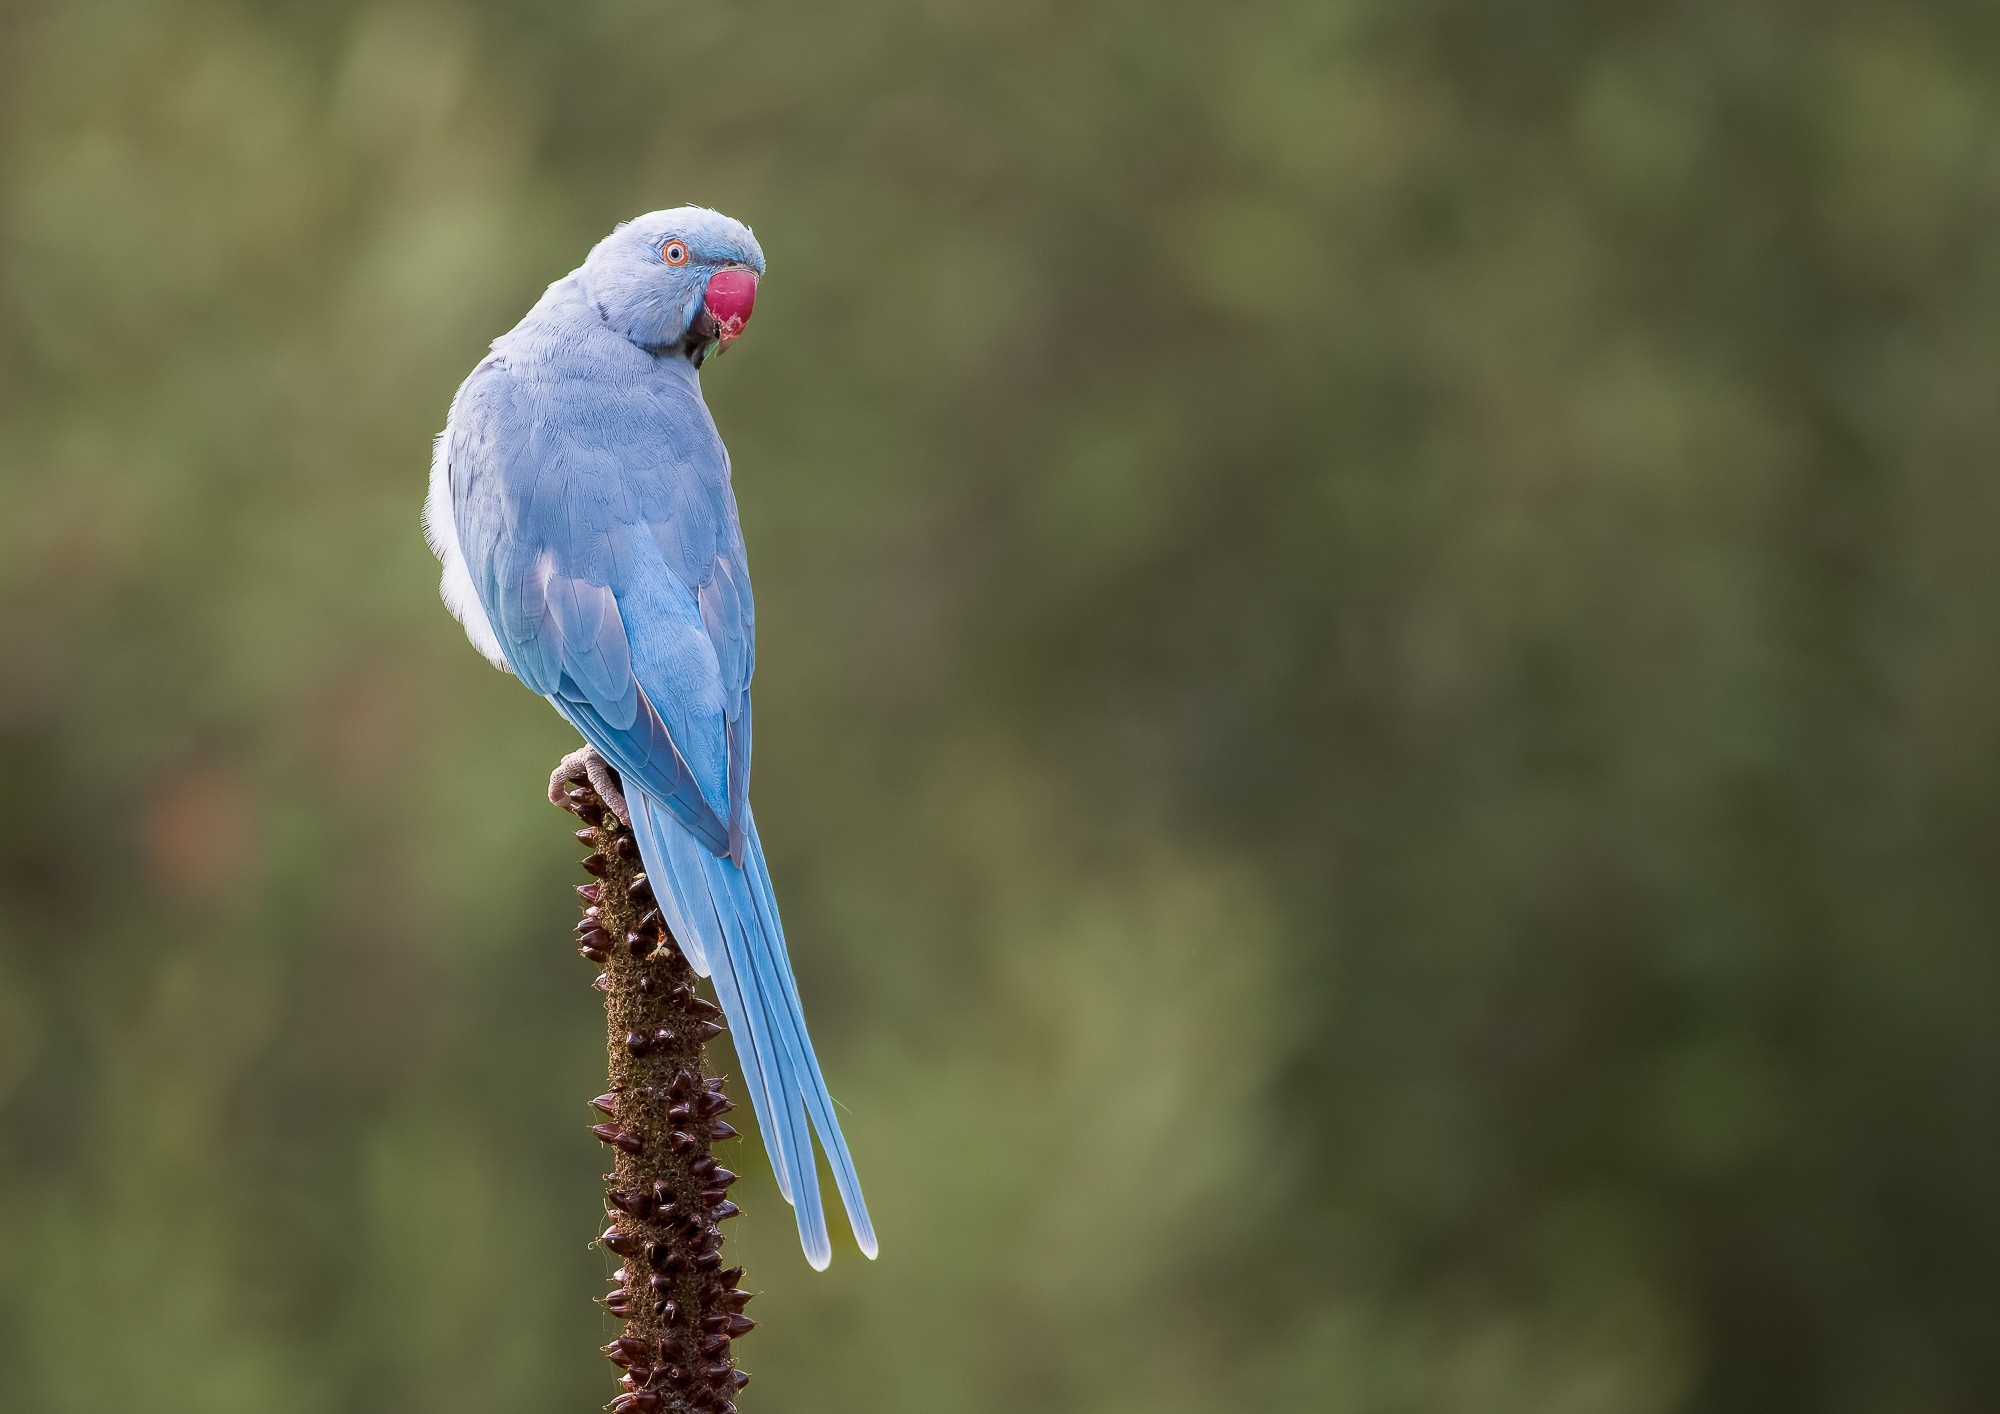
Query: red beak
(732, 293)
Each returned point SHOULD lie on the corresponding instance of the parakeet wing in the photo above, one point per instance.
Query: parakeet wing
(597, 521)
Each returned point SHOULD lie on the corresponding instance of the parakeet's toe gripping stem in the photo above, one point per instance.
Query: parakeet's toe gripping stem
(584, 770)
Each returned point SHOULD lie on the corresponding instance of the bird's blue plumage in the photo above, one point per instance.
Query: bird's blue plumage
(583, 494)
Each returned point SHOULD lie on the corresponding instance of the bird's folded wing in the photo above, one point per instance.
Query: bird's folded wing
(601, 536)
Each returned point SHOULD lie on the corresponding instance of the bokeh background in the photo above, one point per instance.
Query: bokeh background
(1380, 714)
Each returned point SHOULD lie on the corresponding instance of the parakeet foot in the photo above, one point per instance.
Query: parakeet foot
(585, 767)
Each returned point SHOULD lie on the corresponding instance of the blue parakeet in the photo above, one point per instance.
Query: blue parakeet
(580, 502)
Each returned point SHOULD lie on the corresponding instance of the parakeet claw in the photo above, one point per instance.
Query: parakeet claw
(585, 767)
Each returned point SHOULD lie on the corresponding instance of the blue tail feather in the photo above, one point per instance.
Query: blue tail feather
(777, 968)
(650, 828)
(695, 920)
(691, 917)
(726, 919)
(757, 1017)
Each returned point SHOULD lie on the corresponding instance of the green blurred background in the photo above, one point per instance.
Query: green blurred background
(1380, 714)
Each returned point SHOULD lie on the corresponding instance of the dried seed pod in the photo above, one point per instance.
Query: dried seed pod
(590, 893)
(720, 1130)
(707, 1030)
(724, 1209)
(639, 888)
(639, 1205)
(638, 1042)
(623, 1138)
(730, 1277)
(738, 1326)
(703, 1008)
(617, 1240)
(607, 1103)
(596, 865)
(603, 982)
(716, 1177)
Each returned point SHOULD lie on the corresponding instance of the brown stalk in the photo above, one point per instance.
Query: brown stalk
(665, 1194)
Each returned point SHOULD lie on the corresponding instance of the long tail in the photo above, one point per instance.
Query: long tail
(726, 921)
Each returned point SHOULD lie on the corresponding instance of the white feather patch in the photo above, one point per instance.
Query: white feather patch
(441, 532)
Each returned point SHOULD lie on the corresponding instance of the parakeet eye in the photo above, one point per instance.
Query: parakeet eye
(675, 252)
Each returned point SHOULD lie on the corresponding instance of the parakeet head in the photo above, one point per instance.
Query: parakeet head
(684, 279)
